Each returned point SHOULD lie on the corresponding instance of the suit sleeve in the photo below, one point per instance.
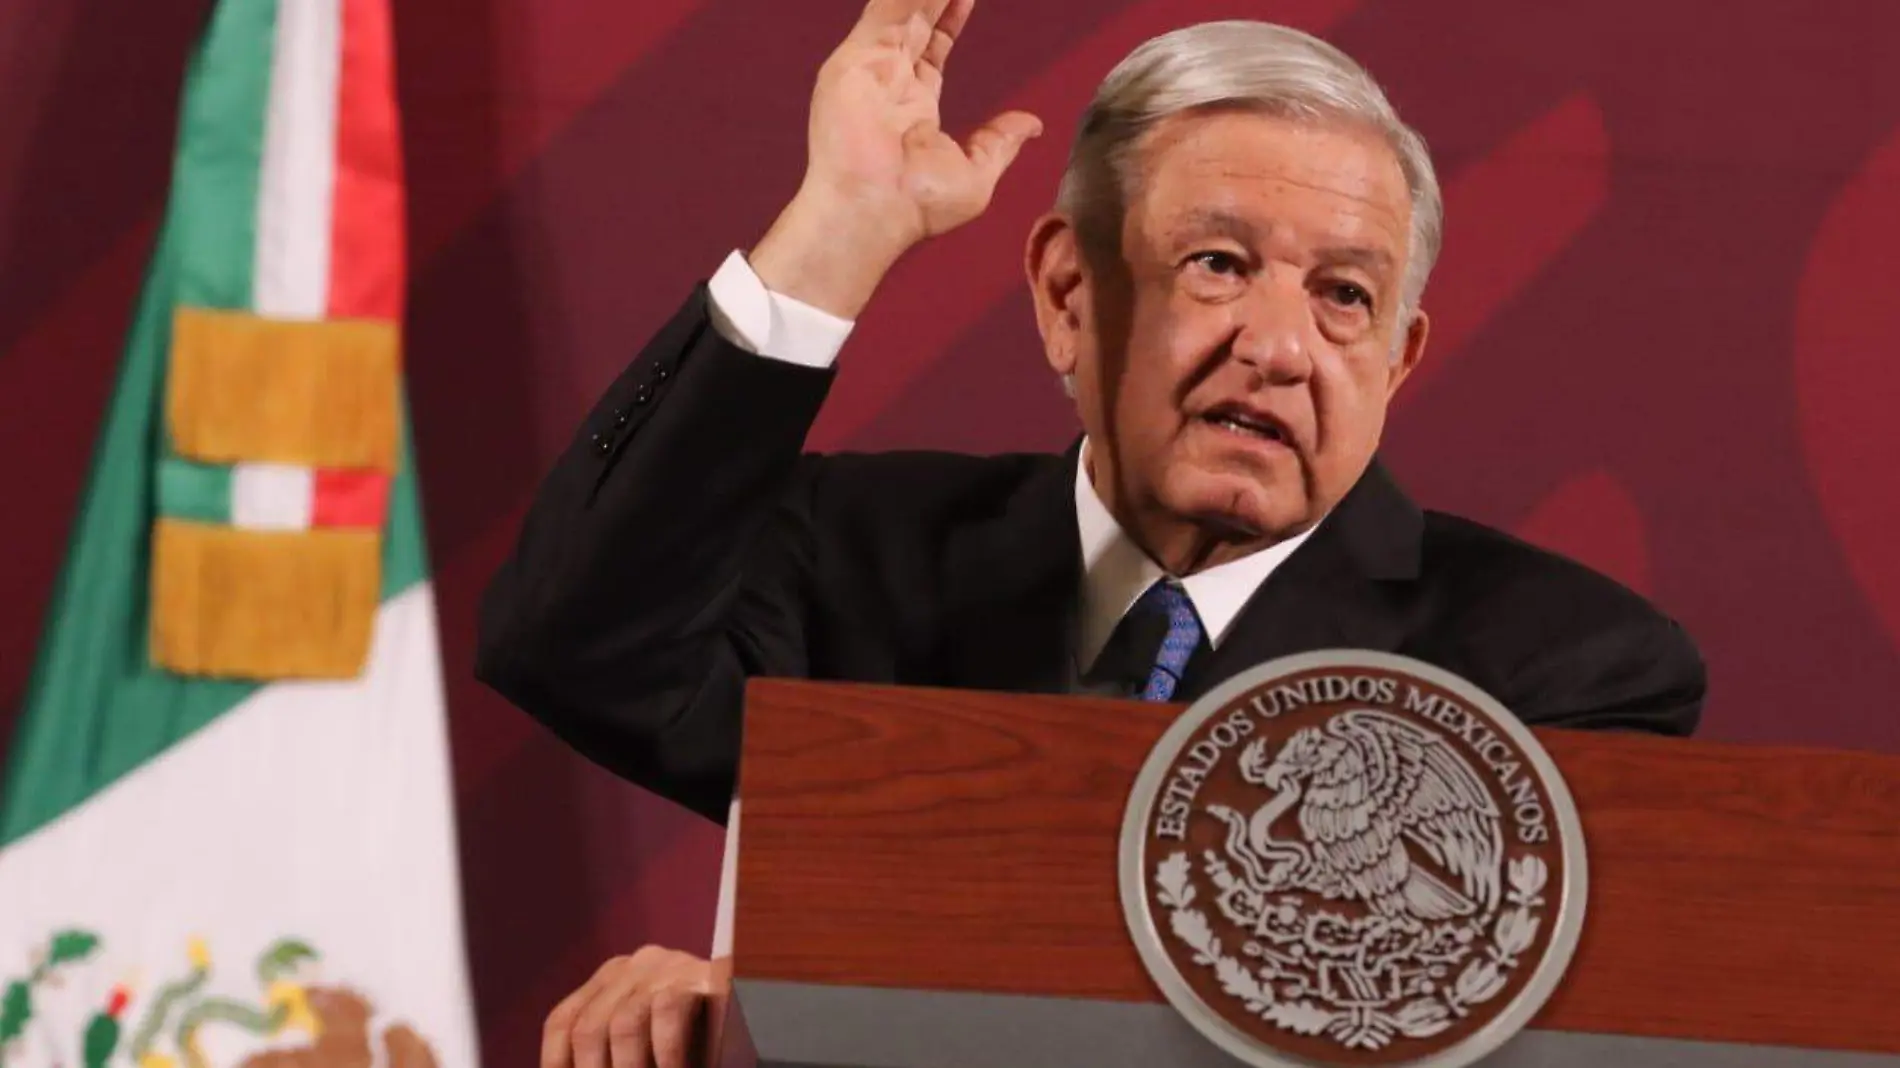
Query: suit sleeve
(664, 560)
(1641, 672)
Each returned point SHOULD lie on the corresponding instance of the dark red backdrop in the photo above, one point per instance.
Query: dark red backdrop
(1667, 340)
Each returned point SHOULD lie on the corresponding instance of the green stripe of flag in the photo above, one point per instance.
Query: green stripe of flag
(221, 156)
(200, 492)
(405, 543)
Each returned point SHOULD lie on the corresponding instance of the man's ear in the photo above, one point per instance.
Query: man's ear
(1053, 262)
(1411, 351)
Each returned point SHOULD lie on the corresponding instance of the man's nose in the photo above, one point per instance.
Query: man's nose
(1275, 330)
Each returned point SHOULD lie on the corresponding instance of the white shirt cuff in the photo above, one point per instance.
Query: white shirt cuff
(772, 324)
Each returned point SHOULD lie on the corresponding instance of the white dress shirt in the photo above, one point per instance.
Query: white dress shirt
(1115, 570)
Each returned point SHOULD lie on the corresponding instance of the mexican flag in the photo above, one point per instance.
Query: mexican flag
(226, 824)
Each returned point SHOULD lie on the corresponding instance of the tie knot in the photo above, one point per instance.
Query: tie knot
(1165, 598)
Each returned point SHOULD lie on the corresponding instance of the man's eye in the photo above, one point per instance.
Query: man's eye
(1222, 263)
(1348, 295)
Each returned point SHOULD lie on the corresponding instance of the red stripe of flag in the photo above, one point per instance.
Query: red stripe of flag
(350, 498)
(366, 230)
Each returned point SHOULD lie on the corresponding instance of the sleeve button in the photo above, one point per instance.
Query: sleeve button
(643, 394)
(603, 444)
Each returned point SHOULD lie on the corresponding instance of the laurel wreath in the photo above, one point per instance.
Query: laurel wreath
(1480, 981)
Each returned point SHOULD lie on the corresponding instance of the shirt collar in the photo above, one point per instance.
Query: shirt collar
(1115, 573)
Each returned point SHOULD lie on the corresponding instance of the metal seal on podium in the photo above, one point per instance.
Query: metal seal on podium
(1353, 858)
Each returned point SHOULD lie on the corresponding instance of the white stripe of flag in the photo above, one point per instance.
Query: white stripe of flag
(291, 274)
(273, 497)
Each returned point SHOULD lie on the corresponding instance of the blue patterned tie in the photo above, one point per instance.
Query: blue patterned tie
(1184, 636)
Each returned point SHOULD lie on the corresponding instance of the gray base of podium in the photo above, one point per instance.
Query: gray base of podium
(801, 1025)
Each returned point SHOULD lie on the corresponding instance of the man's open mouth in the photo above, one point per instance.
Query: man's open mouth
(1240, 419)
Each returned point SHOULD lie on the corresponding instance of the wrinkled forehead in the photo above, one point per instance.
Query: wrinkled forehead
(1250, 175)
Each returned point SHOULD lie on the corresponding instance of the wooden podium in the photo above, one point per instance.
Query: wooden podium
(928, 878)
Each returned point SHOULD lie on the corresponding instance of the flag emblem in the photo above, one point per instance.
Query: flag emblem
(169, 1026)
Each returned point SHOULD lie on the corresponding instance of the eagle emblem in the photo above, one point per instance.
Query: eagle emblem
(1368, 789)
(1352, 858)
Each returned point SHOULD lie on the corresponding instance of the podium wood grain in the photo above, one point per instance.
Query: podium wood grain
(1736, 893)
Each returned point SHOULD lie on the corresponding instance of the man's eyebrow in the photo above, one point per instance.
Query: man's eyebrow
(1372, 259)
(1219, 221)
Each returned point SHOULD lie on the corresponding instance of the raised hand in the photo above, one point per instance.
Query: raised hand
(882, 174)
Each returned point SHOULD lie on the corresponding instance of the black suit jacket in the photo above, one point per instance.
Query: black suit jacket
(684, 542)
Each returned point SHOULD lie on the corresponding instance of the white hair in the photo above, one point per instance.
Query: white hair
(1250, 65)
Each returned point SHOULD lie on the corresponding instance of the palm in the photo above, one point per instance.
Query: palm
(876, 131)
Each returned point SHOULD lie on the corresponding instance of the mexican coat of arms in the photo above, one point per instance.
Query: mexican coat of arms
(1353, 858)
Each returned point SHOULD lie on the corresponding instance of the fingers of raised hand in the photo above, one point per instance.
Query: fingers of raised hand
(995, 144)
(943, 33)
(884, 18)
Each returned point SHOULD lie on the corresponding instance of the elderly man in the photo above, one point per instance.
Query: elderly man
(1229, 286)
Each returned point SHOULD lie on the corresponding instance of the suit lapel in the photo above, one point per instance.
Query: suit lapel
(1012, 582)
(1342, 589)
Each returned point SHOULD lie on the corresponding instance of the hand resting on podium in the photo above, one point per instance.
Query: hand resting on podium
(646, 1010)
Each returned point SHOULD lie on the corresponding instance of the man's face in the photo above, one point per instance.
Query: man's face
(1233, 363)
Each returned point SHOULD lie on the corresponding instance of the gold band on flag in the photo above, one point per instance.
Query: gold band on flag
(263, 604)
(230, 603)
(315, 393)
